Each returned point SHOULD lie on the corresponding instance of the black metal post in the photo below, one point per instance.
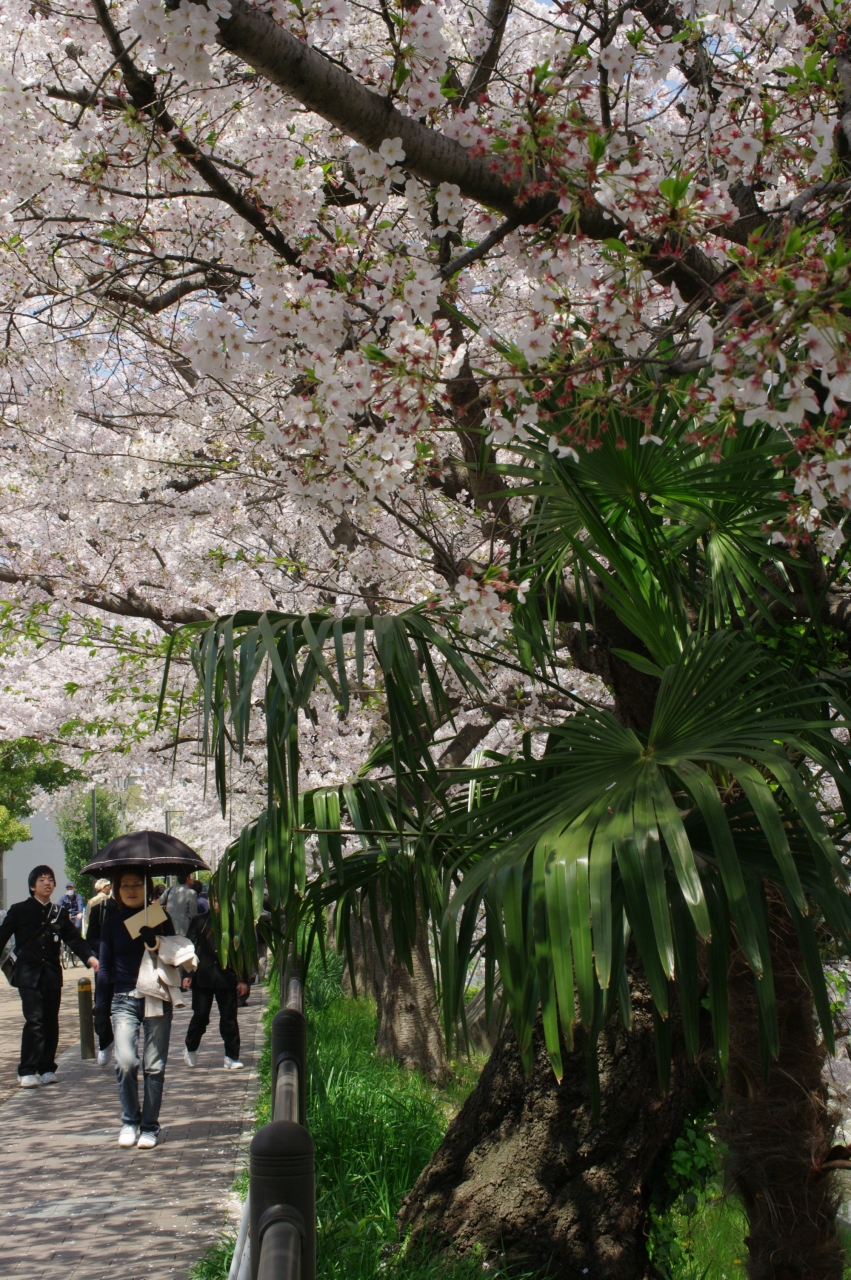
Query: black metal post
(87, 1024)
(289, 1044)
(282, 1177)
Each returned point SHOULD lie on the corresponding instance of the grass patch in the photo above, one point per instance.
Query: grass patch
(374, 1126)
(710, 1239)
(703, 1236)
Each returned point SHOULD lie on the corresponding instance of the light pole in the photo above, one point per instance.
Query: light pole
(170, 880)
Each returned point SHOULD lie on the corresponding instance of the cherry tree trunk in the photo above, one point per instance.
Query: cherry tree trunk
(527, 1172)
(409, 1028)
(779, 1130)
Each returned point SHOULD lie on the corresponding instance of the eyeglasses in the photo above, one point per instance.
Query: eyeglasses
(132, 884)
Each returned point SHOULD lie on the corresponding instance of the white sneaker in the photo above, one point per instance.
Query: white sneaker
(147, 1141)
(29, 1082)
(104, 1056)
(190, 1057)
(233, 1064)
(49, 1077)
(128, 1135)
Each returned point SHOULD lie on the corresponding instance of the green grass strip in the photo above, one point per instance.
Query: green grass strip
(374, 1125)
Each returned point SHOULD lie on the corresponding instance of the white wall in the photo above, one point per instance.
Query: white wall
(45, 846)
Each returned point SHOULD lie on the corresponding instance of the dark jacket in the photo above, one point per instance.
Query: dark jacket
(75, 906)
(210, 972)
(97, 915)
(121, 955)
(37, 942)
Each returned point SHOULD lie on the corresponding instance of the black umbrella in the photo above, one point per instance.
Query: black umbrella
(152, 851)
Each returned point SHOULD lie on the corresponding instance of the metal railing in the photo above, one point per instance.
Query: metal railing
(277, 1233)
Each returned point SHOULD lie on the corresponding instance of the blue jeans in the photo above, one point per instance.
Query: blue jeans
(128, 1015)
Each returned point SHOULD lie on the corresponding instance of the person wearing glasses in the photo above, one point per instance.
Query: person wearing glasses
(120, 960)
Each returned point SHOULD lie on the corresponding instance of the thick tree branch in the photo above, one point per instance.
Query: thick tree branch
(367, 117)
(154, 303)
(496, 18)
(370, 118)
(83, 98)
(131, 605)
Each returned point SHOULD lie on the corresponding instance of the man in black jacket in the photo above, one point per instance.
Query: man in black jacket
(211, 980)
(39, 927)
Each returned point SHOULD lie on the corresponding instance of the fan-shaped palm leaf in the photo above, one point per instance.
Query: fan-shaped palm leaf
(613, 831)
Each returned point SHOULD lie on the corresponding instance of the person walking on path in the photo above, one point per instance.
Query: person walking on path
(181, 903)
(74, 905)
(98, 908)
(39, 927)
(211, 981)
(94, 911)
(120, 961)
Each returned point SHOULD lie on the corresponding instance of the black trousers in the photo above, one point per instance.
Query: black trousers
(41, 1027)
(202, 1004)
(103, 1028)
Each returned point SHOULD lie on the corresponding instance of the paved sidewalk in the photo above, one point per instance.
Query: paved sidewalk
(75, 1205)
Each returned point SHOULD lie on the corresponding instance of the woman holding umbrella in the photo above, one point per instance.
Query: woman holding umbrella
(129, 859)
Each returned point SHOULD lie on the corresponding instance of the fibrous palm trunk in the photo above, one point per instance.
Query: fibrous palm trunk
(778, 1129)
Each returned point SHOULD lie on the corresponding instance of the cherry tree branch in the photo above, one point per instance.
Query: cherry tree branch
(143, 94)
(154, 303)
(324, 87)
(496, 18)
(479, 250)
(368, 117)
(131, 605)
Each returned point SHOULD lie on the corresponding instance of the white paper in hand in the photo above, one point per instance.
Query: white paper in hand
(152, 917)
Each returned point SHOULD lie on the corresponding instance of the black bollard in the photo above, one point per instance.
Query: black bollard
(289, 1044)
(87, 1023)
(282, 1177)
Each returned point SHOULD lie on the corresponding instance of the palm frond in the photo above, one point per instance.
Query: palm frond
(611, 831)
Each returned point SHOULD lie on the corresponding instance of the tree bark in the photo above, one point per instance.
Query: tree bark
(779, 1130)
(408, 1017)
(527, 1172)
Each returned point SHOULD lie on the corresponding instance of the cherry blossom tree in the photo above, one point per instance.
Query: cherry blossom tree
(285, 289)
(259, 262)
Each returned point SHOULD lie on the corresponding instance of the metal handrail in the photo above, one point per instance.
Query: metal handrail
(240, 1250)
(280, 1253)
(285, 1105)
(282, 1233)
(245, 1261)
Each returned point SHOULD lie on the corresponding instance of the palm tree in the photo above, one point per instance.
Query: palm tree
(691, 832)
